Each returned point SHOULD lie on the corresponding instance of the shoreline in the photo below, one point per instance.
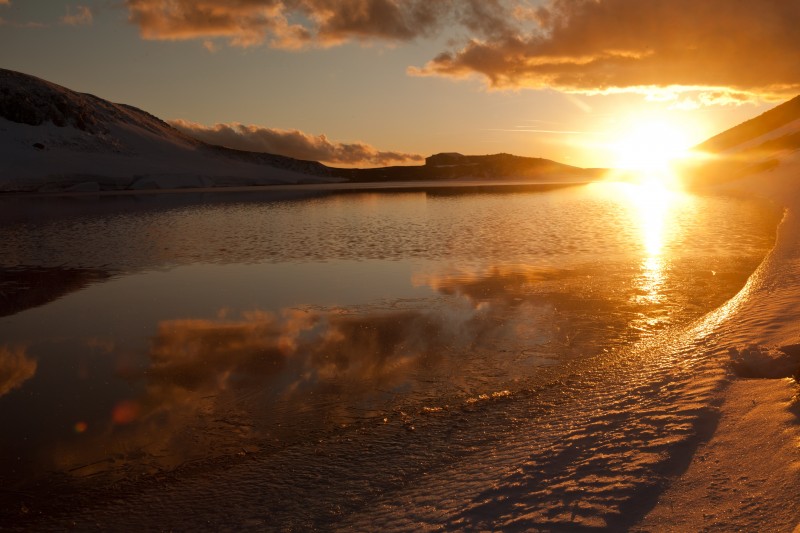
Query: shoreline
(387, 186)
(612, 462)
(745, 476)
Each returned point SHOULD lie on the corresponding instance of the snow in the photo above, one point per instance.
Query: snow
(55, 139)
(745, 478)
(129, 157)
(787, 129)
(757, 361)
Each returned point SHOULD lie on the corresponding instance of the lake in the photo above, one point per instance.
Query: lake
(140, 335)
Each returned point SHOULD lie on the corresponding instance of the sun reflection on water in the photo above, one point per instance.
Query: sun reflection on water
(652, 203)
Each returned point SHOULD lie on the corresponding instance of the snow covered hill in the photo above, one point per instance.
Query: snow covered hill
(55, 139)
(777, 129)
(755, 147)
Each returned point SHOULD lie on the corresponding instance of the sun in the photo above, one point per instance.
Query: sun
(649, 147)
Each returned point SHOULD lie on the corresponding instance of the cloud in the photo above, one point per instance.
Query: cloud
(253, 22)
(81, 17)
(214, 377)
(306, 23)
(292, 143)
(214, 385)
(745, 48)
(15, 368)
(737, 47)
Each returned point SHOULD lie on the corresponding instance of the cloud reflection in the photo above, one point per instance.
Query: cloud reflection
(15, 368)
(214, 385)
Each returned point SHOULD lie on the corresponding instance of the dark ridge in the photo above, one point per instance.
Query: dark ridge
(453, 165)
(274, 160)
(762, 124)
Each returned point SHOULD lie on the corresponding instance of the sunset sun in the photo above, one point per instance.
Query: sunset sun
(649, 147)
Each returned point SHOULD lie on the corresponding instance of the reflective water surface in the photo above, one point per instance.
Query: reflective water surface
(140, 333)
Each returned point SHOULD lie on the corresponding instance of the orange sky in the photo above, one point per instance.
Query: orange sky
(376, 82)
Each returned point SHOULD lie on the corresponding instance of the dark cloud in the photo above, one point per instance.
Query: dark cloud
(716, 51)
(292, 143)
(382, 19)
(714, 47)
(254, 22)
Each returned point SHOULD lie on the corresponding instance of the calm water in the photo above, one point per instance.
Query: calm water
(140, 333)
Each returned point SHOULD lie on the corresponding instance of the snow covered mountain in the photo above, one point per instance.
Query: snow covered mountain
(55, 139)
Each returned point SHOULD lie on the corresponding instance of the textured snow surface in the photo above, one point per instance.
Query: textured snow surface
(746, 477)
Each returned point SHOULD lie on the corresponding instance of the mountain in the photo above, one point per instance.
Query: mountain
(759, 145)
(777, 129)
(56, 139)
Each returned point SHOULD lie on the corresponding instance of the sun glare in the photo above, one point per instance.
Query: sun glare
(649, 148)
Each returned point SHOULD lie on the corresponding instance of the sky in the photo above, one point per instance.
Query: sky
(380, 82)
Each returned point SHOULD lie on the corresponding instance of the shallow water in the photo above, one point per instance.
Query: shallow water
(144, 333)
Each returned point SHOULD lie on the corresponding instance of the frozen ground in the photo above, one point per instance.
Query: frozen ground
(620, 443)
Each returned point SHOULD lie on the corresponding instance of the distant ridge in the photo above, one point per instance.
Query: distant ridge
(452, 165)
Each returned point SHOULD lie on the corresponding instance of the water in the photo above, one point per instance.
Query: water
(144, 333)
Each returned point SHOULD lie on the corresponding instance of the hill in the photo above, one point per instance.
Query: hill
(485, 167)
(778, 128)
(56, 139)
(759, 145)
(52, 138)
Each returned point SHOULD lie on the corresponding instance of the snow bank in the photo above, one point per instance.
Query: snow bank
(756, 361)
(769, 322)
(50, 158)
